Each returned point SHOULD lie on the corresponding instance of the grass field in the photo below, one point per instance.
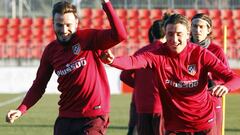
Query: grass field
(39, 120)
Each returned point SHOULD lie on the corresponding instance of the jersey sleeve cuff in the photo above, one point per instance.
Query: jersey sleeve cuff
(22, 108)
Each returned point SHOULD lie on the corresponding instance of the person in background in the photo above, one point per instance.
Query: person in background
(147, 113)
(74, 56)
(201, 29)
(181, 75)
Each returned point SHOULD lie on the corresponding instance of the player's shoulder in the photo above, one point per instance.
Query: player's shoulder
(194, 46)
(144, 49)
(217, 50)
(51, 44)
(215, 45)
(149, 47)
(195, 49)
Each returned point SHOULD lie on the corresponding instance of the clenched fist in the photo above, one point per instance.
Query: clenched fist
(107, 57)
(12, 115)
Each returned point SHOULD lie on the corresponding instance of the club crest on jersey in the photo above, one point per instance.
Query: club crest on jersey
(192, 69)
(76, 49)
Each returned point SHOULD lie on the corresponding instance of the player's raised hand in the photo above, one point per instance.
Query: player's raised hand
(219, 90)
(107, 57)
(12, 115)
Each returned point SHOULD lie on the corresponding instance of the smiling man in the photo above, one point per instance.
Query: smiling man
(181, 75)
(85, 93)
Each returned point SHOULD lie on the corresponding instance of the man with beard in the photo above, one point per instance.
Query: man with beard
(85, 94)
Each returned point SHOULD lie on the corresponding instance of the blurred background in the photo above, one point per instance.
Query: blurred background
(26, 28)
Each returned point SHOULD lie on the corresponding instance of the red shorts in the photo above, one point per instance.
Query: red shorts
(81, 126)
(149, 124)
(204, 132)
(132, 119)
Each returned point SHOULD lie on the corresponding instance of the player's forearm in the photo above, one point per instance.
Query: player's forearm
(31, 98)
(233, 84)
(129, 62)
(118, 32)
(105, 39)
(36, 91)
(127, 77)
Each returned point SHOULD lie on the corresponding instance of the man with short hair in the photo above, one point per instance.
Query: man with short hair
(181, 70)
(201, 29)
(74, 57)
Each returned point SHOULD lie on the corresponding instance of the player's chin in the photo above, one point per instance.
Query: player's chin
(198, 39)
(64, 38)
(63, 41)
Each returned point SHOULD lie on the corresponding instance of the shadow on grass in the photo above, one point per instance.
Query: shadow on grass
(111, 127)
(232, 130)
(43, 125)
(24, 125)
(118, 127)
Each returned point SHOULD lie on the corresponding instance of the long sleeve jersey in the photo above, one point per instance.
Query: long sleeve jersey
(146, 94)
(182, 80)
(217, 51)
(82, 78)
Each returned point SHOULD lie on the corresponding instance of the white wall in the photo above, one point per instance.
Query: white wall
(19, 79)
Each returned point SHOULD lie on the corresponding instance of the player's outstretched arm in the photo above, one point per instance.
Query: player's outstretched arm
(13, 115)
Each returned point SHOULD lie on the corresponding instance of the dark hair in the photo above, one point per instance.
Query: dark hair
(63, 7)
(150, 35)
(177, 18)
(205, 18)
(165, 17)
(156, 31)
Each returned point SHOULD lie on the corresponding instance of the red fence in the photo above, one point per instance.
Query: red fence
(27, 37)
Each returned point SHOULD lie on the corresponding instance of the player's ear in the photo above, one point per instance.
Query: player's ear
(209, 30)
(188, 35)
(77, 21)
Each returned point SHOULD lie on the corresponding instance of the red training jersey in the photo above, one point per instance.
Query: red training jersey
(217, 51)
(182, 81)
(146, 94)
(82, 77)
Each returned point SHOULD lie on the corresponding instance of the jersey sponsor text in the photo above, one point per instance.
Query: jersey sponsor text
(72, 66)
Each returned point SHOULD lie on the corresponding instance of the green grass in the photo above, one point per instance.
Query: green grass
(39, 120)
